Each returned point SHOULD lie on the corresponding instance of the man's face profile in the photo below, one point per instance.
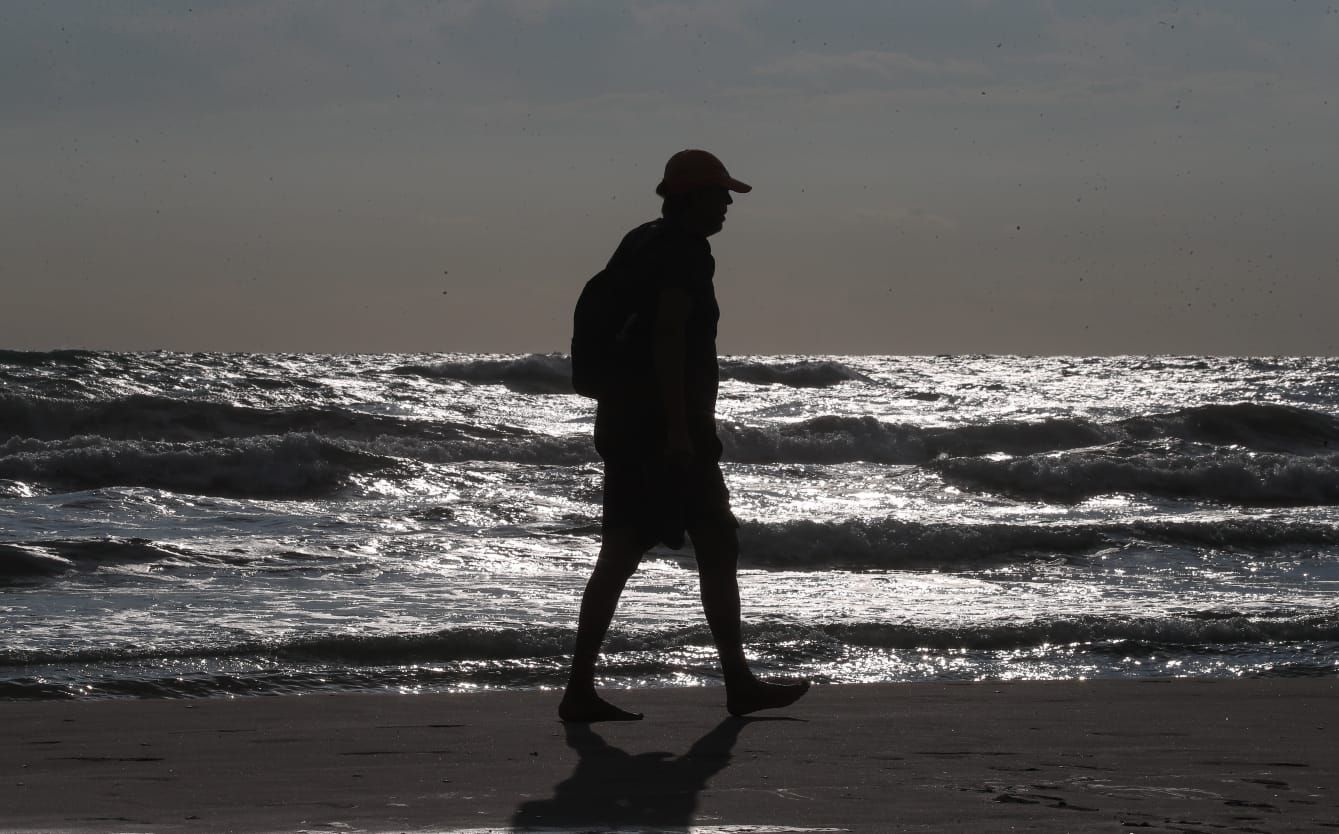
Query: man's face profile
(706, 209)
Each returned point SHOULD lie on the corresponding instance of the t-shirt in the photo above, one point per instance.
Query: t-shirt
(631, 420)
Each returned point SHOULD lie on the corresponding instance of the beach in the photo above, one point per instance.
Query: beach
(1150, 755)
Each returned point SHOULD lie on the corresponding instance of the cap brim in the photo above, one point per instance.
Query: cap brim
(665, 189)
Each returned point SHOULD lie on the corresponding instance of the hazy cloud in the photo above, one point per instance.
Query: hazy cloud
(366, 176)
(876, 65)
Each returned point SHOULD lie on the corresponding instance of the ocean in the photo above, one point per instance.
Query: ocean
(220, 525)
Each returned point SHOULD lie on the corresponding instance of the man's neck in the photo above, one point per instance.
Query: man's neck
(684, 225)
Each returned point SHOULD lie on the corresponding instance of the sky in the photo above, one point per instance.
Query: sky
(956, 176)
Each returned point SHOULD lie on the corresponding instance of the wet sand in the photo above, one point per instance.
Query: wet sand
(1243, 756)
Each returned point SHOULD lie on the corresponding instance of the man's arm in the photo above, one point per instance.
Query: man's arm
(668, 339)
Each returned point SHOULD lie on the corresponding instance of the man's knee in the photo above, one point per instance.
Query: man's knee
(621, 551)
(717, 548)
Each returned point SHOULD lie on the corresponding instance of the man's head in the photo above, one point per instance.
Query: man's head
(696, 188)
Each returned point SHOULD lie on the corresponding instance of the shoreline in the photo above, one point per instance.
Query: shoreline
(1239, 755)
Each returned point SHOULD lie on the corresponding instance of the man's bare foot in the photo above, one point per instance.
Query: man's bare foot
(754, 695)
(590, 708)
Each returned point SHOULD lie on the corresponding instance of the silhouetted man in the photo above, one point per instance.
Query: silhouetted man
(655, 428)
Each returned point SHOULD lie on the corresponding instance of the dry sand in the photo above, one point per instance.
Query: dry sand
(1181, 756)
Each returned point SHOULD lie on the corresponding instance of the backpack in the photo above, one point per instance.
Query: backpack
(605, 320)
(601, 326)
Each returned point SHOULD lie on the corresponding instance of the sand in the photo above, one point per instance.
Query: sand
(1257, 755)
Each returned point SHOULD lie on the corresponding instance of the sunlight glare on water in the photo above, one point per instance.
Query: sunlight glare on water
(200, 524)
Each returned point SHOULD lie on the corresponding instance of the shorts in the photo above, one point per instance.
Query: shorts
(661, 502)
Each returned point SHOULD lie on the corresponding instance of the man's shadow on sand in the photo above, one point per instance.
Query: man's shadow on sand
(613, 787)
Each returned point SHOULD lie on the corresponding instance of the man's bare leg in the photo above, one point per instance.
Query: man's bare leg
(620, 553)
(717, 550)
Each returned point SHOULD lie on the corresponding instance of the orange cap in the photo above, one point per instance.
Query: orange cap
(690, 170)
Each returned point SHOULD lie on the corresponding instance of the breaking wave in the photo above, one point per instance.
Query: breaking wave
(838, 439)
(894, 544)
(48, 558)
(539, 373)
(289, 466)
(477, 643)
(37, 358)
(833, 439)
(1196, 629)
(551, 373)
(1264, 427)
(149, 417)
(803, 374)
(1236, 477)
